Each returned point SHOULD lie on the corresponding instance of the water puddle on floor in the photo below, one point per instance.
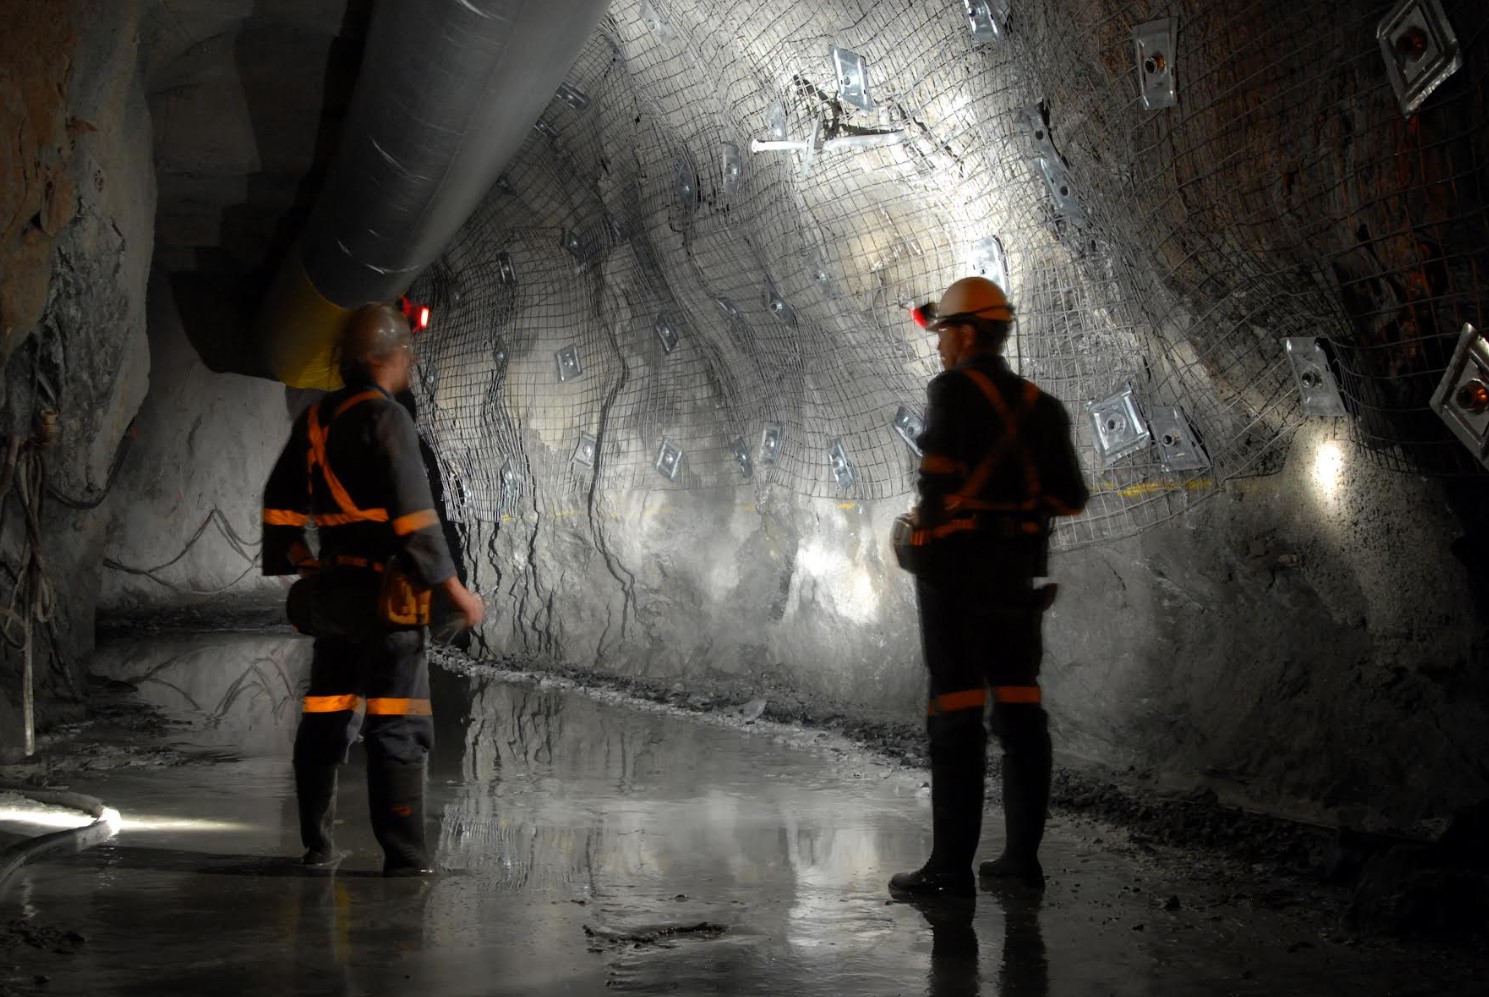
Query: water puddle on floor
(591, 848)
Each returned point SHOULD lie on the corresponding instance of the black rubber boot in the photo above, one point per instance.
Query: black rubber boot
(958, 767)
(1026, 795)
(395, 795)
(315, 793)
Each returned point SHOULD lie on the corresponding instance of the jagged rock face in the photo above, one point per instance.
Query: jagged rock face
(75, 248)
(1300, 639)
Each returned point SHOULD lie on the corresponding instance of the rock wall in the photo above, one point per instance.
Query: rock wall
(194, 477)
(1304, 643)
(76, 228)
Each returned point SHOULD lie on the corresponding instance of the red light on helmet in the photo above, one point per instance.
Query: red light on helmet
(418, 315)
(924, 314)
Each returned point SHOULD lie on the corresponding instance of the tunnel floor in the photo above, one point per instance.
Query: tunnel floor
(587, 847)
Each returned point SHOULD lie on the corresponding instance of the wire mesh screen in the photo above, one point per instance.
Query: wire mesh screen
(646, 300)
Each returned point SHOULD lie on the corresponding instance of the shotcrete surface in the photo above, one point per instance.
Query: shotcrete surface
(589, 845)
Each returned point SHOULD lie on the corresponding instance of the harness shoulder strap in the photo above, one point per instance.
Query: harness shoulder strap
(317, 433)
(966, 496)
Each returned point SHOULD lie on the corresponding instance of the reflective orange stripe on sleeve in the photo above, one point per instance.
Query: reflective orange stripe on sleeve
(414, 521)
(399, 708)
(284, 517)
(1017, 694)
(331, 704)
(951, 702)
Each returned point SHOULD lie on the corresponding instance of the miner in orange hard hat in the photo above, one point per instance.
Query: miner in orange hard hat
(998, 465)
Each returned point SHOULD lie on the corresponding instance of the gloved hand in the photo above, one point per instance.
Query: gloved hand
(470, 607)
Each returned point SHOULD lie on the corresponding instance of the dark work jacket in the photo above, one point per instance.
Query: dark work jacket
(376, 501)
(962, 426)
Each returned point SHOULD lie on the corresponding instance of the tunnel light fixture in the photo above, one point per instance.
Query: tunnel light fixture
(543, 128)
(573, 96)
(1421, 50)
(853, 78)
(1178, 448)
(585, 451)
(1118, 426)
(988, 19)
(1052, 167)
(843, 471)
(1156, 42)
(669, 460)
(1462, 398)
(1316, 385)
(741, 451)
(770, 443)
(569, 367)
(909, 426)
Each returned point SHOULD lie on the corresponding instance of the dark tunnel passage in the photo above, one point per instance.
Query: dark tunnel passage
(668, 408)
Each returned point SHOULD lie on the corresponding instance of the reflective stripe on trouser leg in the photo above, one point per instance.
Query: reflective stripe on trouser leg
(952, 702)
(1017, 694)
(331, 704)
(329, 717)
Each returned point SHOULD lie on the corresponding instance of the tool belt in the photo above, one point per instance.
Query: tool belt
(355, 597)
(924, 551)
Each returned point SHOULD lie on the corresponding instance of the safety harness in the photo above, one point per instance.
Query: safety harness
(1028, 517)
(1025, 517)
(401, 601)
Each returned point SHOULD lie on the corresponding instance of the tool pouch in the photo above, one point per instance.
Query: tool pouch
(335, 604)
(909, 545)
(402, 601)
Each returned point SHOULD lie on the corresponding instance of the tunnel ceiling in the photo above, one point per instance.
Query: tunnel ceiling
(646, 300)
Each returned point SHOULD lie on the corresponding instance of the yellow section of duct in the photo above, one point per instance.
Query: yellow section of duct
(302, 328)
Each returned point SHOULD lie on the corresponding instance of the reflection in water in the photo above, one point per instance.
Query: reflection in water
(1025, 970)
(954, 971)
